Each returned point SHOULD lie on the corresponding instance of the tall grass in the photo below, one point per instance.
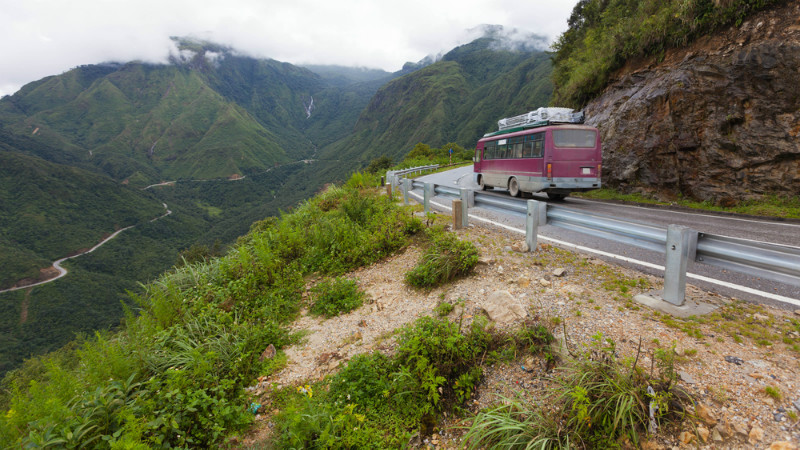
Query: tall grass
(174, 374)
(597, 402)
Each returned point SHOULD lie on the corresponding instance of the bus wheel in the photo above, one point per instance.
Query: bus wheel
(481, 184)
(553, 196)
(513, 187)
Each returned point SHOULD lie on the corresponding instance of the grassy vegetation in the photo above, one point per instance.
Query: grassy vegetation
(379, 401)
(603, 35)
(596, 401)
(335, 296)
(445, 259)
(768, 206)
(92, 295)
(174, 374)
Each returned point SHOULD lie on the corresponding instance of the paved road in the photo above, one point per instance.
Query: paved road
(62, 271)
(720, 281)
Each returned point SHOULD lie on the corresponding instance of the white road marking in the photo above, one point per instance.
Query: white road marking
(726, 284)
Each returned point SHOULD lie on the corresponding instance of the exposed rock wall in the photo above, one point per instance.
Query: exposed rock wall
(718, 120)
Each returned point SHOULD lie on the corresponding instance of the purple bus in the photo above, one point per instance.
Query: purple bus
(540, 156)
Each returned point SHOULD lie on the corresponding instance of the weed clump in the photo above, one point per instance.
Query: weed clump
(598, 402)
(444, 260)
(336, 296)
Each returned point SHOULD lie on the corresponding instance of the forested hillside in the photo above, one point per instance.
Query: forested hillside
(457, 99)
(243, 138)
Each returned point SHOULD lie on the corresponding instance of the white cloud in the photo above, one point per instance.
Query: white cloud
(47, 37)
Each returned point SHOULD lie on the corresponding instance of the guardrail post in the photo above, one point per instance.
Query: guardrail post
(406, 188)
(465, 204)
(681, 250)
(534, 218)
(458, 207)
(427, 195)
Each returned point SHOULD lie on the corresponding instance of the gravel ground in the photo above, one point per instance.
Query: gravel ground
(735, 410)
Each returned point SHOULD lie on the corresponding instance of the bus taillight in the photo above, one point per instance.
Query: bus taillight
(598, 170)
(549, 171)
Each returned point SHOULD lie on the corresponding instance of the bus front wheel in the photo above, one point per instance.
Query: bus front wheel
(513, 187)
(481, 183)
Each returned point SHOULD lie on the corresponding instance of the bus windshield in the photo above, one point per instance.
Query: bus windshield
(574, 138)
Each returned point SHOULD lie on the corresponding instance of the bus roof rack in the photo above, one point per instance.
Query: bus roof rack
(548, 115)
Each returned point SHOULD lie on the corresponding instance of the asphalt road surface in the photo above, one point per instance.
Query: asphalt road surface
(728, 283)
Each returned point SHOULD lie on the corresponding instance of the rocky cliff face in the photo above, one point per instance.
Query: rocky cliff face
(718, 120)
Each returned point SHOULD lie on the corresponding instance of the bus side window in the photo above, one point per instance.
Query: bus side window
(515, 147)
(489, 150)
(538, 145)
(534, 145)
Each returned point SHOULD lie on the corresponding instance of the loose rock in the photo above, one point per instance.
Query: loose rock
(705, 414)
(755, 436)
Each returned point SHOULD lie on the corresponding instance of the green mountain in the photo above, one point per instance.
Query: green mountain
(456, 99)
(243, 138)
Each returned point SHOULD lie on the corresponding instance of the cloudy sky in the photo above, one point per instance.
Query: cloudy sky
(47, 37)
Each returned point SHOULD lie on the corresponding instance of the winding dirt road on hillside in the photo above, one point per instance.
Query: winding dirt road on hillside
(62, 271)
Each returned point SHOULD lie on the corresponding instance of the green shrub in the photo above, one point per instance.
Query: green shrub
(335, 296)
(445, 259)
(598, 401)
(435, 369)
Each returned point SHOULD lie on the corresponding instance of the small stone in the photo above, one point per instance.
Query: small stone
(686, 437)
(268, 353)
(756, 375)
(740, 428)
(724, 429)
(703, 433)
(779, 417)
(485, 260)
(796, 404)
(686, 378)
(523, 281)
(652, 445)
(705, 414)
(716, 436)
(507, 248)
(782, 445)
(797, 312)
(544, 282)
(559, 272)
(500, 270)
(734, 360)
(756, 435)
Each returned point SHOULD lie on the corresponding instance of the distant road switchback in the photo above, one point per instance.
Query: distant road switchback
(62, 271)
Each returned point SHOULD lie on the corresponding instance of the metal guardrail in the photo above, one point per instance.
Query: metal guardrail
(681, 245)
